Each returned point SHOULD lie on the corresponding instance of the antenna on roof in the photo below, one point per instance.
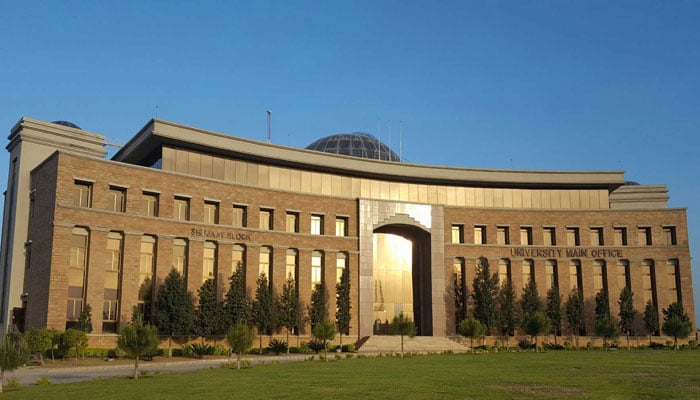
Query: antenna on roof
(269, 121)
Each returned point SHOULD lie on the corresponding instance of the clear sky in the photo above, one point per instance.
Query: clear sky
(564, 85)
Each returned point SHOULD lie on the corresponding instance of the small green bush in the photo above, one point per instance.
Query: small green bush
(526, 345)
(199, 350)
(12, 384)
(348, 348)
(656, 345)
(552, 346)
(692, 344)
(221, 350)
(44, 381)
(277, 346)
(315, 345)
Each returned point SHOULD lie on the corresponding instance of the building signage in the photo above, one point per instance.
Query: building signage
(212, 234)
(561, 253)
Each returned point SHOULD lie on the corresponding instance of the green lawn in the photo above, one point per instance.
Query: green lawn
(553, 374)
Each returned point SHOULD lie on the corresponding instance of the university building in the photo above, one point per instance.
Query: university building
(81, 229)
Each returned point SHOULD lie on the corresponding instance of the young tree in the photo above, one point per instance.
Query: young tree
(484, 294)
(317, 309)
(73, 339)
(289, 308)
(676, 323)
(573, 309)
(627, 313)
(602, 305)
(530, 303)
(473, 329)
(138, 340)
(85, 319)
(607, 329)
(263, 308)
(342, 315)
(324, 331)
(174, 314)
(537, 324)
(13, 354)
(651, 319)
(237, 306)
(240, 338)
(507, 313)
(403, 326)
(209, 311)
(39, 341)
(554, 310)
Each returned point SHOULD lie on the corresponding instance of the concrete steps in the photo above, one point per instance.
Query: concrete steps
(417, 344)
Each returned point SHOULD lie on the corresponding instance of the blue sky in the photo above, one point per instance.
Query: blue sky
(587, 85)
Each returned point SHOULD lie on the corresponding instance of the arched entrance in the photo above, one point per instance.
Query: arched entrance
(402, 276)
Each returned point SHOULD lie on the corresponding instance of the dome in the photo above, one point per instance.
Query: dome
(357, 144)
(66, 123)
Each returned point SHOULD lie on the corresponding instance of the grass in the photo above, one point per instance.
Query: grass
(553, 374)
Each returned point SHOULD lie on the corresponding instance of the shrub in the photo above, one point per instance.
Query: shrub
(221, 350)
(277, 346)
(693, 344)
(44, 381)
(552, 346)
(526, 345)
(656, 345)
(316, 345)
(12, 384)
(348, 348)
(482, 347)
(115, 353)
(199, 350)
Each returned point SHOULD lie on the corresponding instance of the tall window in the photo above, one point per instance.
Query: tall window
(340, 264)
(597, 237)
(503, 271)
(266, 219)
(479, 234)
(648, 284)
(575, 275)
(181, 209)
(644, 236)
(237, 257)
(264, 262)
(550, 236)
(239, 216)
(292, 263)
(211, 212)
(572, 237)
(457, 233)
(527, 271)
(292, 221)
(82, 194)
(620, 236)
(77, 272)
(149, 204)
(209, 261)
(147, 266)
(113, 268)
(673, 283)
(502, 235)
(623, 274)
(316, 268)
(599, 276)
(550, 267)
(180, 256)
(526, 235)
(117, 199)
(460, 284)
(317, 224)
(670, 235)
(341, 226)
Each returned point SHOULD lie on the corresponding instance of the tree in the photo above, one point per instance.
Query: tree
(240, 338)
(73, 339)
(324, 331)
(39, 341)
(263, 308)
(174, 314)
(473, 329)
(651, 319)
(403, 326)
(607, 329)
(137, 340)
(484, 294)
(317, 309)
(13, 354)
(342, 315)
(530, 303)
(85, 319)
(537, 324)
(573, 308)
(209, 311)
(676, 323)
(627, 313)
(602, 305)
(554, 310)
(507, 313)
(237, 306)
(289, 308)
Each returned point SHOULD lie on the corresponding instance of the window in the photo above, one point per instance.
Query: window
(572, 237)
(77, 272)
(527, 272)
(597, 237)
(82, 194)
(291, 264)
(549, 236)
(147, 266)
(526, 235)
(239, 216)
(292, 222)
(211, 212)
(266, 215)
(341, 263)
(181, 209)
(620, 236)
(503, 271)
(479, 234)
(673, 283)
(550, 267)
(460, 283)
(209, 261)
(149, 204)
(502, 235)
(316, 268)
(237, 257)
(599, 276)
(457, 234)
(112, 277)
(117, 199)
(264, 262)
(341, 226)
(180, 256)
(648, 284)
(644, 236)
(670, 235)
(575, 275)
(317, 224)
(623, 274)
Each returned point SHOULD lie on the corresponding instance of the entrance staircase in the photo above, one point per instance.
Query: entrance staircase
(418, 344)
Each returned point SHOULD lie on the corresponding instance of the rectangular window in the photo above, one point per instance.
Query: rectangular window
(209, 261)
(292, 222)
(457, 234)
(623, 274)
(239, 216)
(674, 285)
(527, 272)
(525, 235)
(479, 234)
(620, 236)
(597, 237)
(551, 273)
(316, 268)
(502, 235)
(181, 209)
(82, 194)
(460, 283)
(340, 264)
(180, 256)
(575, 275)
(117, 199)
(264, 262)
(291, 265)
(149, 204)
(549, 236)
(112, 277)
(572, 237)
(503, 271)
(237, 257)
(599, 276)
(341, 226)
(317, 224)
(648, 284)
(211, 212)
(644, 236)
(77, 272)
(266, 216)
(670, 235)
(147, 266)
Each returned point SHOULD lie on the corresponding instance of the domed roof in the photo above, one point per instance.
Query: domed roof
(66, 123)
(356, 144)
